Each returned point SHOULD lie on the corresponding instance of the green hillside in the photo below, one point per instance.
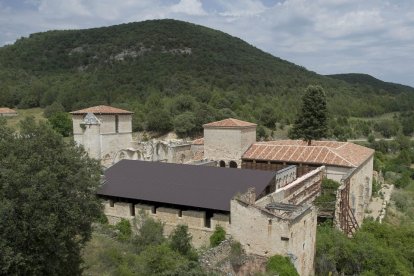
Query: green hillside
(173, 73)
(374, 83)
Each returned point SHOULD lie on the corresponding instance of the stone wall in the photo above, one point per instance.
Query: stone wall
(227, 144)
(90, 140)
(171, 217)
(101, 140)
(361, 189)
(107, 123)
(302, 190)
(77, 120)
(153, 150)
(285, 176)
(265, 234)
(359, 194)
(125, 123)
(337, 173)
(112, 143)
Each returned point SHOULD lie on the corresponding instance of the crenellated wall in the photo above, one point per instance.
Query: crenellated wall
(171, 217)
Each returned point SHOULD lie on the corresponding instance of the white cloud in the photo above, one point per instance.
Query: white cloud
(326, 36)
(190, 7)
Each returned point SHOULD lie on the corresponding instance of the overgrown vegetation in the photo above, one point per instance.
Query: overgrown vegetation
(280, 265)
(327, 199)
(177, 75)
(218, 236)
(377, 248)
(146, 252)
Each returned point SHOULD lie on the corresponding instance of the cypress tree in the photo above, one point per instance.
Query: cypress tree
(311, 122)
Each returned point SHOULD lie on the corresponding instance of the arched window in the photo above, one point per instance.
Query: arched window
(233, 164)
(222, 164)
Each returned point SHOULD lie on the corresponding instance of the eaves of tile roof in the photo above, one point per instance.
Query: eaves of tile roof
(229, 123)
(101, 109)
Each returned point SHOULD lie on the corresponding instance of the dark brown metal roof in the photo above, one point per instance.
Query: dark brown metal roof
(186, 185)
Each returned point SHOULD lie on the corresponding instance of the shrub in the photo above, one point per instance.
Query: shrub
(52, 109)
(403, 181)
(376, 186)
(124, 228)
(218, 236)
(236, 254)
(61, 123)
(150, 233)
(181, 240)
(281, 265)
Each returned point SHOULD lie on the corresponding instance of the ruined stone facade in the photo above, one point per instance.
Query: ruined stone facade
(358, 183)
(173, 151)
(282, 222)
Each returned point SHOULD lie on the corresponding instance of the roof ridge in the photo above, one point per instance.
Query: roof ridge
(341, 157)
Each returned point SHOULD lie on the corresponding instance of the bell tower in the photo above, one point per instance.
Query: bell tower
(102, 130)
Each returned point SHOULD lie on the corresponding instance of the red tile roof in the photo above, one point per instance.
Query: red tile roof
(334, 153)
(199, 141)
(101, 109)
(230, 122)
(6, 110)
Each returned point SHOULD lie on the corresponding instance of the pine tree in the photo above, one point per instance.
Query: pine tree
(311, 123)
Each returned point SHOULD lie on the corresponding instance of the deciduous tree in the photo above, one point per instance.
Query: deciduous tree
(47, 201)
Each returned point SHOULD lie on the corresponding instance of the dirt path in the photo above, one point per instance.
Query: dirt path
(377, 207)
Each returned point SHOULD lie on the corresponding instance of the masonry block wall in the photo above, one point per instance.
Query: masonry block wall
(90, 140)
(361, 189)
(227, 144)
(265, 234)
(103, 140)
(195, 220)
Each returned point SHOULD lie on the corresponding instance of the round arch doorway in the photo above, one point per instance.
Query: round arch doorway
(233, 164)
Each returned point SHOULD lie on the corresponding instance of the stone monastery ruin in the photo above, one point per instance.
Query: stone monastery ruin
(266, 204)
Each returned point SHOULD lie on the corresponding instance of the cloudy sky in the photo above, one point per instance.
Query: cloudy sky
(326, 36)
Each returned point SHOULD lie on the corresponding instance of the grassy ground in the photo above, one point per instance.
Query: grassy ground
(103, 255)
(37, 113)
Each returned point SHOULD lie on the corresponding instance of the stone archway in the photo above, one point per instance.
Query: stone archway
(233, 164)
(222, 164)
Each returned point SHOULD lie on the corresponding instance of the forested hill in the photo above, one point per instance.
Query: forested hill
(175, 68)
(376, 84)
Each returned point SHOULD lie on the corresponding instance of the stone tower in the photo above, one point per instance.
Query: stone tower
(102, 130)
(225, 141)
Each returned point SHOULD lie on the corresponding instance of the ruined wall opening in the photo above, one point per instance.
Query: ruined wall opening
(207, 219)
(111, 203)
(132, 210)
(222, 164)
(180, 213)
(233, 164)
(116, 123)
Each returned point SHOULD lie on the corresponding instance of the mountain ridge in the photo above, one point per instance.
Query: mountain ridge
(184, 65)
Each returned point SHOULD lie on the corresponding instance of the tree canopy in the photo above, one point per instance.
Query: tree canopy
(189, 68)
(47, 201)
(312, 122)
